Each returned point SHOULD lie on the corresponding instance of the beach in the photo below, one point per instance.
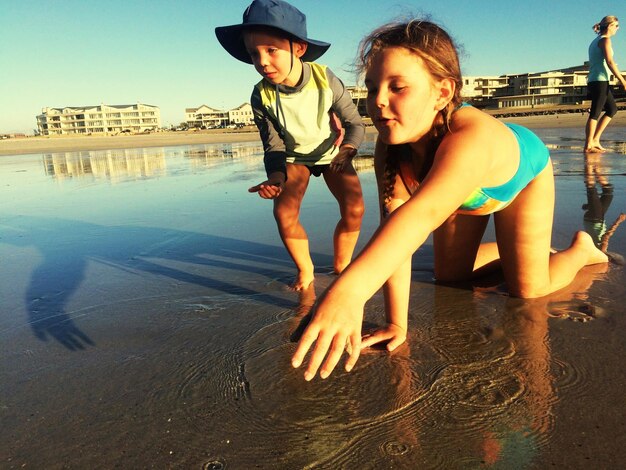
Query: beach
(145, 322)
(68, 143)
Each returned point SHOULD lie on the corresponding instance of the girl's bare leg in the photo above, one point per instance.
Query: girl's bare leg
(458, 251)
(292, 233)
(602, 123)
(524, 231)
(346, 188)
(590, 130)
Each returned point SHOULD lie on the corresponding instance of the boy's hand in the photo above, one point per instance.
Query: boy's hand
(342, 159)
(270, 188)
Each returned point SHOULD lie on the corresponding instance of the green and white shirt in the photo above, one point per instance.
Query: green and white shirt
(294, 122)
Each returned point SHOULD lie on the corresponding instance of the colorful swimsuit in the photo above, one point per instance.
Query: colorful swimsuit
(534, 157)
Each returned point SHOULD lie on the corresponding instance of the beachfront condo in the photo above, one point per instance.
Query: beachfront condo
(101, 119)
(205, 117)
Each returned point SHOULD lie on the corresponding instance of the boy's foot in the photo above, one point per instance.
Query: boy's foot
(302, 281)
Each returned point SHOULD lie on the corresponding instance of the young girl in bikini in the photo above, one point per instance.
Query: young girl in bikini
(442, 168)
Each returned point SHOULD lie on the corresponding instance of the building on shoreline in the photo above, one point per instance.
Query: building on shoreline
(205, 117)
(528, 90)
(566, 86)
(101, 119)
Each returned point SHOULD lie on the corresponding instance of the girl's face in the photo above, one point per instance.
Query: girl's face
(611, 30)
(274, 58)
(403, 99)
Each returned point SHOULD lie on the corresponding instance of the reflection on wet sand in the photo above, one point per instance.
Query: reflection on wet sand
(158, 310)
(114, 165)
(209, 152)
(475, 386)
(599, 198)
(577, 145)
(141, 163)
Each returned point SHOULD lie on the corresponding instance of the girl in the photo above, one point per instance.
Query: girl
(601, 64)
(442, 167)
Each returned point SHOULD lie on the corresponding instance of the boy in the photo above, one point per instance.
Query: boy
(295, 105)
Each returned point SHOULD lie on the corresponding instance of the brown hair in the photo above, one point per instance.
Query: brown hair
(434, 46)
(604, 24)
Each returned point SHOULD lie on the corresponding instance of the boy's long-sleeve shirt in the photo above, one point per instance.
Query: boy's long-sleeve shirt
(294, 122)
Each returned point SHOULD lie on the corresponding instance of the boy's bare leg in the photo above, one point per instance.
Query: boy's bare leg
(292, 233)
(346, 188)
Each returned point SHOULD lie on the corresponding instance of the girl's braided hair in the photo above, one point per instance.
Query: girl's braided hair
(438, 52)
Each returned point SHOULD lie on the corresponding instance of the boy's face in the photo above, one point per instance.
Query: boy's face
(274, 57)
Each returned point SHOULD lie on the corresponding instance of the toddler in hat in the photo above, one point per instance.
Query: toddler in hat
(296, 106)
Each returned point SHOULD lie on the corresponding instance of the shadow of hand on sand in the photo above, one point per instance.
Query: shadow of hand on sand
(67, 246)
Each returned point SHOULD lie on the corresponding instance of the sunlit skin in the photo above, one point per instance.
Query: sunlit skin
(402, 102)
(478, 151)
(278, 60)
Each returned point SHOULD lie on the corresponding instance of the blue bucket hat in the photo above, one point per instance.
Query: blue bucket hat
(274, 14)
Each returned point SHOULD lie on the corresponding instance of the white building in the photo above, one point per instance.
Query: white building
(205, 117)
(102, 119)
(566, 86)
(483, 87)
(242, 114)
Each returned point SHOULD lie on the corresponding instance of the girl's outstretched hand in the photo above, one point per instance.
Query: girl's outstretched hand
(392, 334)
(335, 327)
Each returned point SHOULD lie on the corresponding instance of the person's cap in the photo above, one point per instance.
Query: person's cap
(274, 14)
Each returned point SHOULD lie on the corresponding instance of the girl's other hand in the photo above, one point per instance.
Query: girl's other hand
(392, 334)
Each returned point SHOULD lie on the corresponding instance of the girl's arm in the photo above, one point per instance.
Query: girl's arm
(396, 288)
(607, 49)
(463, 162)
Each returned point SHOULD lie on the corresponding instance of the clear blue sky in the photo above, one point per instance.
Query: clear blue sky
(56, 53)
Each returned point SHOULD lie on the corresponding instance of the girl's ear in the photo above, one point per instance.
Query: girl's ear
(299, 48)
(446, 89)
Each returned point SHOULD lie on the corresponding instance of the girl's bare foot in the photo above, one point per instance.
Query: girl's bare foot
(595, 149)
(596, 255)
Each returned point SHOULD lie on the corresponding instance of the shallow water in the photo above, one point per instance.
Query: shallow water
(144, 322)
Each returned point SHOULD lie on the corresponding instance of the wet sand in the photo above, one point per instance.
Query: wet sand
(145, 322)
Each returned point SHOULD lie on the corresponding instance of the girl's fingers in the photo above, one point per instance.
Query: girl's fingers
(376, 337)
(308, 338)
(395, 342)
(321, 347)
(354, 350)
(335, 353)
